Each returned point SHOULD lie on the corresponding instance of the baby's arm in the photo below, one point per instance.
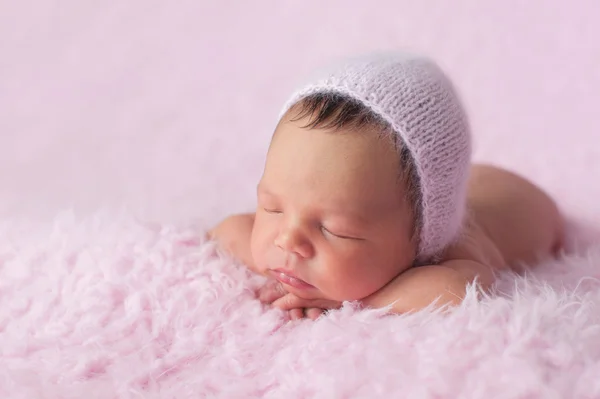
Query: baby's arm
(233, 235)
(414, 289)
(444, 284)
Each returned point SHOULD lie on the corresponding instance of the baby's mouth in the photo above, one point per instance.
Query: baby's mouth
(287, 278)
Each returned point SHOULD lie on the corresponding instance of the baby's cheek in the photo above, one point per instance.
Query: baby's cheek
(341, 277)
(360, 277)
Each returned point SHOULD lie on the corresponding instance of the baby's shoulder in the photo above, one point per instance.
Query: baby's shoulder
(475, 244)
(233, 235)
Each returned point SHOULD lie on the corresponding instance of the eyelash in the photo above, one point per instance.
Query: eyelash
(323, 228)
(273, 211)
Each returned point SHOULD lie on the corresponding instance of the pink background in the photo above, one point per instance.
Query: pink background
(167, 107)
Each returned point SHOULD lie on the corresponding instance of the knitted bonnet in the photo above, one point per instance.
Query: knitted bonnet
(419, 103)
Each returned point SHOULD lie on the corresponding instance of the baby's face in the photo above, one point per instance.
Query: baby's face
(332, 221)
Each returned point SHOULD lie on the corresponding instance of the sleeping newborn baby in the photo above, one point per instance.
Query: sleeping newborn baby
(368, 194)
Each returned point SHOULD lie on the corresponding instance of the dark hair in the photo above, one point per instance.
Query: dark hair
(335, 111)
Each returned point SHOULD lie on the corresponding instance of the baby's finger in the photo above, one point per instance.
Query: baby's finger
(296, 314)
(289, 302)
(313, 313)
(271, 291)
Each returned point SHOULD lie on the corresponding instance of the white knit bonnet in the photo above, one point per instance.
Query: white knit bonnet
(418, 101)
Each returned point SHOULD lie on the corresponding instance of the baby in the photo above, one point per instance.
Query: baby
(368, 194)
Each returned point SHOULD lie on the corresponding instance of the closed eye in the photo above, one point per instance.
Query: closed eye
(342, 236)
(273, 211)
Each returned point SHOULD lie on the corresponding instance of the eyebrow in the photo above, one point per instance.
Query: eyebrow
(352, 217)
(261, 189)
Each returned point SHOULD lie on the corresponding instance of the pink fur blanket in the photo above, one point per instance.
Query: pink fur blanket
(107, 307)
(168, 107)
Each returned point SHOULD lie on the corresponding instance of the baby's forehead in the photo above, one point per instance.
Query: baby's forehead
(333, 183)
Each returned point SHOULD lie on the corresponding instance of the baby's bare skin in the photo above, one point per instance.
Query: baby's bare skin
(311, 175)
(512, 223)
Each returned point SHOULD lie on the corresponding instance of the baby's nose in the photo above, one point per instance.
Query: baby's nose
(293, 241)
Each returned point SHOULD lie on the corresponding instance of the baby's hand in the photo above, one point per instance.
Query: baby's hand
(275, 294)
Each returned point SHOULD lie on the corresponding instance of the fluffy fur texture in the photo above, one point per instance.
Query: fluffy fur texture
(417, 100)
(111, 307)
(133, 102)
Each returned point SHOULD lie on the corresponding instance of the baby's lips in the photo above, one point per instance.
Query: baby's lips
(290, 280)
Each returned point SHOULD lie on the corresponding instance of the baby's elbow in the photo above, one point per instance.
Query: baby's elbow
(458, 286)
(455, 291)
(471, 273)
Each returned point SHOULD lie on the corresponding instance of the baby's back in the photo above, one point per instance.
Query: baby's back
(509, 217)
